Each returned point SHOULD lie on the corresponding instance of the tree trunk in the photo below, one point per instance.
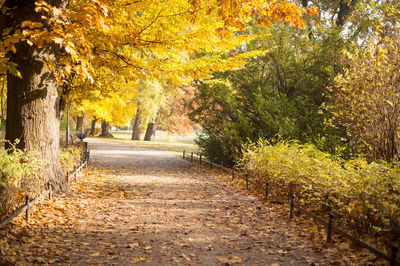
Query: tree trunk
(151, 130)
(79, 123)
(105, 130)
(344, 11)
(33, 101)
(136, 126)
(93, 127)
(2, 103)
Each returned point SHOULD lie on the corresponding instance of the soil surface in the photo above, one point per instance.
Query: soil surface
(144, 206)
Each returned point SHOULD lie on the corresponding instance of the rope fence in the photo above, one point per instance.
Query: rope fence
(47, 193)
(393, 258)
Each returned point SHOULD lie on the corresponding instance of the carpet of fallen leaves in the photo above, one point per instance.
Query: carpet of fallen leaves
(186, 215)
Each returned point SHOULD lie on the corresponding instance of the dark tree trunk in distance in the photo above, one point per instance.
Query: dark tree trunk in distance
(33, 101)
(344, 11)
(136, 126)
(105, 130)
(79, 123)
(93, 127)
(151, 130)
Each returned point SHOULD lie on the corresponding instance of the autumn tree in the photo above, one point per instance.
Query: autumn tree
(367, 99)
(32, 95)
(174, 112)
(149, 98)
(46, 41)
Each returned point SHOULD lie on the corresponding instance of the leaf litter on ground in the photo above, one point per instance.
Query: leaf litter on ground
(170, 216)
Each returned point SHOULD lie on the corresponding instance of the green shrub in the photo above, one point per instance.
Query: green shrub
(70, 157)
(19, 176)
(364, 196)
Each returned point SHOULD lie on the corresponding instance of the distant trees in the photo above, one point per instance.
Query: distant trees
(274, 96)
(350, 48)
(148, 100)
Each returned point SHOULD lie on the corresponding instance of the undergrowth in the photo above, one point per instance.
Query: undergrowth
(365, 197)
(19, 176)
(70, 157)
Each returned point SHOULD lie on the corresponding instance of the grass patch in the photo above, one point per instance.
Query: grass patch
(175, 147)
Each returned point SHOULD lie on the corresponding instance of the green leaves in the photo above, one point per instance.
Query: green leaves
(19, 176)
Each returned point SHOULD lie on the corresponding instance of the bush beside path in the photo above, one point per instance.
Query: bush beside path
(145, 206)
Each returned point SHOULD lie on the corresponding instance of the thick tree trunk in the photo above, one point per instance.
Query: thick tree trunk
(151, 130)
(93, 127)
(136, 126)
(33, 101)
(105, 130)
(32, 109)
(79, 123)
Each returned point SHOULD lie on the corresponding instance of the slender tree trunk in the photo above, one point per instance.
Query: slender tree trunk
(93, 127)
(2, 102)
(79, 123)
(344, 11)
(151, 130)
(33, 101)
(136, 126)
(105, 130)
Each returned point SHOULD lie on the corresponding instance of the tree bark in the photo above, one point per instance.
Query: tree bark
(79, 123)
(137, 126)
(93, 127)
(105, 130)
(151, 130)
(33, 101)
(344, 11)
(2, 103)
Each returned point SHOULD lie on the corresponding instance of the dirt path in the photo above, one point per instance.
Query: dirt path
(138, 205)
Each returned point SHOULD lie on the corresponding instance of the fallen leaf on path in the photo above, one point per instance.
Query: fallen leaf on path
(344, 246)
(185, 257)
(230, 260)
(133, 245)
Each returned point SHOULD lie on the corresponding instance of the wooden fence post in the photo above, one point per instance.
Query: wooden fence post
(394, 256)
(50, 191)
(330, 228)
(27, 208)
(292, 206)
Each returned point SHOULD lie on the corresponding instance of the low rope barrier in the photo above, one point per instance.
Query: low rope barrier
(393, 258)
(47, 193)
